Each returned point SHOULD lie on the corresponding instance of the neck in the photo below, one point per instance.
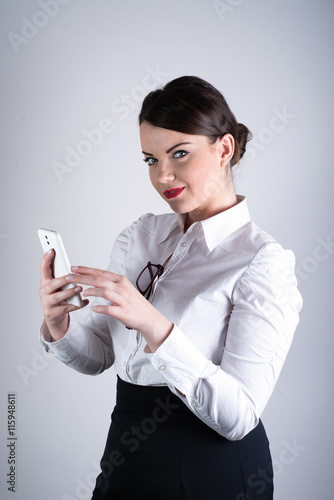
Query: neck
(190, 218)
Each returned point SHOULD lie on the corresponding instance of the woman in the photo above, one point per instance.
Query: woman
(196, 311)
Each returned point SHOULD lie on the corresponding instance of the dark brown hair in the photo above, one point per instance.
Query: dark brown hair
(193, 106)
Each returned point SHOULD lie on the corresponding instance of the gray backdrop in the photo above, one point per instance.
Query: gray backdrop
(73, 76)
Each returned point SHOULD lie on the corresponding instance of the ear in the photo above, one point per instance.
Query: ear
(226, 149)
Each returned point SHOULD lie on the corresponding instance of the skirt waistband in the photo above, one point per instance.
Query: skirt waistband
(145, 400)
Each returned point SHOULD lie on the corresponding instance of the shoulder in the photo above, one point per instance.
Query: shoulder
(147, 230)
(265, 247)
(154, 223)
(270, 269)
(254, 244)
(249, 239)
(265, 260)
(147, 225)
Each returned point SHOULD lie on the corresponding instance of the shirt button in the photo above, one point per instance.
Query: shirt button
(184, 244)
(194, 404)
(162, 367)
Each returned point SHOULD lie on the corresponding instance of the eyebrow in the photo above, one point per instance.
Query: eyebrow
(170, 149)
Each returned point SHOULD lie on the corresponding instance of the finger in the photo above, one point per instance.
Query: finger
(94, 292)
(97, 280)
(96, 272)
(63, 308)
(113, 311)
(106, 293)
(85, 303)
(51, 286)
(72, 307)
(102, 309)
(46, 266)
(58, 297)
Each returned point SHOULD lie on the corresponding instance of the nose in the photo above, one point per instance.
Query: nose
(165, 172)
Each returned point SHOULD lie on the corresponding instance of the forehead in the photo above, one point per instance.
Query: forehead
(162, 138)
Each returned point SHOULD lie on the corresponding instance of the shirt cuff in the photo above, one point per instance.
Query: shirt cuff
(179, 361)
(65, 349)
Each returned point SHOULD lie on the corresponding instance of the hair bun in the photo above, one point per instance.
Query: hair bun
(191, 105)
(243, 136)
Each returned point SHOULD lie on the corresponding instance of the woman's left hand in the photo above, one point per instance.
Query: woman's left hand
(127, 304)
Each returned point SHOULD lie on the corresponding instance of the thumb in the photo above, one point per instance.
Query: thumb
(47, 266)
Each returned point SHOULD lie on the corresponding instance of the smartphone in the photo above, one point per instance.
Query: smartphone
(61, 265)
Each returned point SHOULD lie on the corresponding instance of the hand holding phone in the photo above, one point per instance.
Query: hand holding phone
(61, 265)
(58, 296)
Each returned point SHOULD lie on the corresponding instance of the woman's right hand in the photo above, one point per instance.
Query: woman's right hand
(56, 309)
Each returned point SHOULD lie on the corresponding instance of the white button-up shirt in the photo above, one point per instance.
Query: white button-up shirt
(231, 293)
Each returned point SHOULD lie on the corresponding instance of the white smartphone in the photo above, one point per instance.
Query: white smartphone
(61, 265)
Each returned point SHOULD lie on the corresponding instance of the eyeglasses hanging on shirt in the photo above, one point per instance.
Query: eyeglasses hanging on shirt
(147, 279)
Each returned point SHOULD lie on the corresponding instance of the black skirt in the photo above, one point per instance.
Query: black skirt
(157, 449)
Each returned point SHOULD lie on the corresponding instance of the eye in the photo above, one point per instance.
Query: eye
(150, 161)
(180, 153)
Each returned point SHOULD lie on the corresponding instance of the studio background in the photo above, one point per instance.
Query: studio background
(71, 68)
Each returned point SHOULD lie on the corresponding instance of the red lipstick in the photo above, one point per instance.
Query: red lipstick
(172, 193)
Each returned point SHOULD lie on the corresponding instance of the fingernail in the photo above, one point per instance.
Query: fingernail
(77, 288)
(49, 252)
(70, 277)
(74, 268)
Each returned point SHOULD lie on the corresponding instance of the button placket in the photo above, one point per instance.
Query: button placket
(139, 339)
(177, 255)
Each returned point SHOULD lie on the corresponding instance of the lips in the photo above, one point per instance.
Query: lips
(172, 193)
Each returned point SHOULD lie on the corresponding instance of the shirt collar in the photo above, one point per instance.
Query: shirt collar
(220, 226)
(216, 228)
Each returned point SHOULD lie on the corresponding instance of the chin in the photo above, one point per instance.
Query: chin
(178, 208)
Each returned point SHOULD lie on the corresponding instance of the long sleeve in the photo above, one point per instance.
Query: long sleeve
(231, 397)
(88, 348)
